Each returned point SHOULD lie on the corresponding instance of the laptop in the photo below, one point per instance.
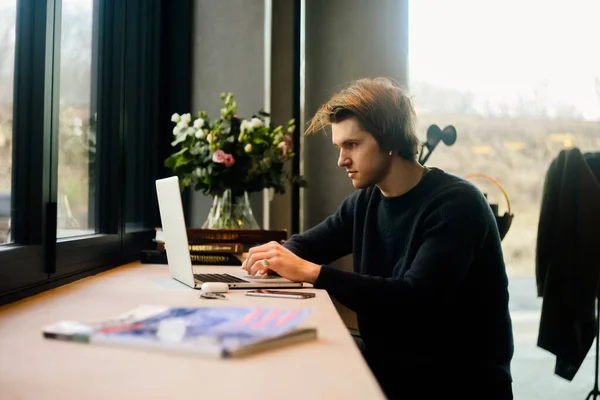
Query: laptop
(178, 253)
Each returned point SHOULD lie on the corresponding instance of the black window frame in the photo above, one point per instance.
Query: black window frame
(156, 31)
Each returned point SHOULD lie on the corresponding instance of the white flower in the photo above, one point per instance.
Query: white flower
(278, 137)
(209, 138)
(291, 129)
(248, 148)
(198, 123)
(256, 123)
(245, 126)
(186, 118)
(201, 133)
(179, 136)
(176, 130)
(175, 117)
(77, 122)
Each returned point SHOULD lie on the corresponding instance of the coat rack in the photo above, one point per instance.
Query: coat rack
(593, 395)
(436, 135)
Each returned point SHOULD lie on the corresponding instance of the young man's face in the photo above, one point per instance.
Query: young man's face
(360, 154)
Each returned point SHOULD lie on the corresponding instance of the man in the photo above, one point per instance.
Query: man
(429, 284)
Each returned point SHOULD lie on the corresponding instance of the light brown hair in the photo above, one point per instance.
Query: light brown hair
(381, 107)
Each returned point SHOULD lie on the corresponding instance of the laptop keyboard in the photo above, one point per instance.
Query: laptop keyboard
(218, 278)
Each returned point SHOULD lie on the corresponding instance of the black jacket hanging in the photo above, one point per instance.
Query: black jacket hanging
(568, 258)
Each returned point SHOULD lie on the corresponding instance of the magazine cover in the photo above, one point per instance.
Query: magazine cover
(212, 331)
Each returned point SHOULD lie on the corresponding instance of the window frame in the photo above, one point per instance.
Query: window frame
(31, 149)
(37, 260)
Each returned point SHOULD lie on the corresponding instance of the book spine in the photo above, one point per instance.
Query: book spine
(214, 259)
(245, 237)
(209, 247)
(197, 258)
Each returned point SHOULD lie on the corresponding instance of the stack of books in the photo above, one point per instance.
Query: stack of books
(215, 246)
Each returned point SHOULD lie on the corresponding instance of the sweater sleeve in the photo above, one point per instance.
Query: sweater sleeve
(329, 240)
(454, 233)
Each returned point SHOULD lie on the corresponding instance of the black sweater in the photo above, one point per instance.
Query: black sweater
(429, 284)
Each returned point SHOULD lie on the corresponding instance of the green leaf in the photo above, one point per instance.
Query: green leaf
(181, 161)
(185, 181)
(170, 162)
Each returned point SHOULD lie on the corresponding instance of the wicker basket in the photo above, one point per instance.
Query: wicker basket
(503, 221)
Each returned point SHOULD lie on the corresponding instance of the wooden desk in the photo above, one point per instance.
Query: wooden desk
(32, 367)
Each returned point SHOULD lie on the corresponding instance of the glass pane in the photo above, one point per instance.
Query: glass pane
(77, 134)
(517, 93)
(520, 81)
(7, 60)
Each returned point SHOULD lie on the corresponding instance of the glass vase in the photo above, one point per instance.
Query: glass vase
(231, 212)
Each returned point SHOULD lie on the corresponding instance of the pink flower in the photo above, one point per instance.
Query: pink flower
(283, 147)
(288, 140)
(229, 160)
(219, 156)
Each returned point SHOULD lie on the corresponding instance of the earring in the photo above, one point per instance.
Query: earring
(390, 153)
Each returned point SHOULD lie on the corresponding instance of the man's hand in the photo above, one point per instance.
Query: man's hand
(273, 256)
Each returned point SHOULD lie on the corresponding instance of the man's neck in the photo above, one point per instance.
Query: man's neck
(402, 176)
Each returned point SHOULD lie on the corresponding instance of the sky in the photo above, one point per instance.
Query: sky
(503, 49)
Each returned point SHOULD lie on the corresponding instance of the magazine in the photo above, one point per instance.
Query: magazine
(223, 332)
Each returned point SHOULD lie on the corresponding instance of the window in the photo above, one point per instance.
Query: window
(8, 15)
(76, 122)
(520, 81)
(87, 88)
(518, 88)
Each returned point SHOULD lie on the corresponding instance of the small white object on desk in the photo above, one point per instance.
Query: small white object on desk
(214, 287)
(171, 330)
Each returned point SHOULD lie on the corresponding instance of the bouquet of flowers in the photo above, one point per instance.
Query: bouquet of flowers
(231, 153)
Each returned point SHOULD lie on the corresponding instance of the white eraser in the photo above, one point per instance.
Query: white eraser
(214, 287)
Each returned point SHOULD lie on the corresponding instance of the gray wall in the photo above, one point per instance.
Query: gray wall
(345, 40)
(228, 56)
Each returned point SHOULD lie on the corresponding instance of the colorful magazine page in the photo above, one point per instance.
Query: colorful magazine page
(216, 331)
